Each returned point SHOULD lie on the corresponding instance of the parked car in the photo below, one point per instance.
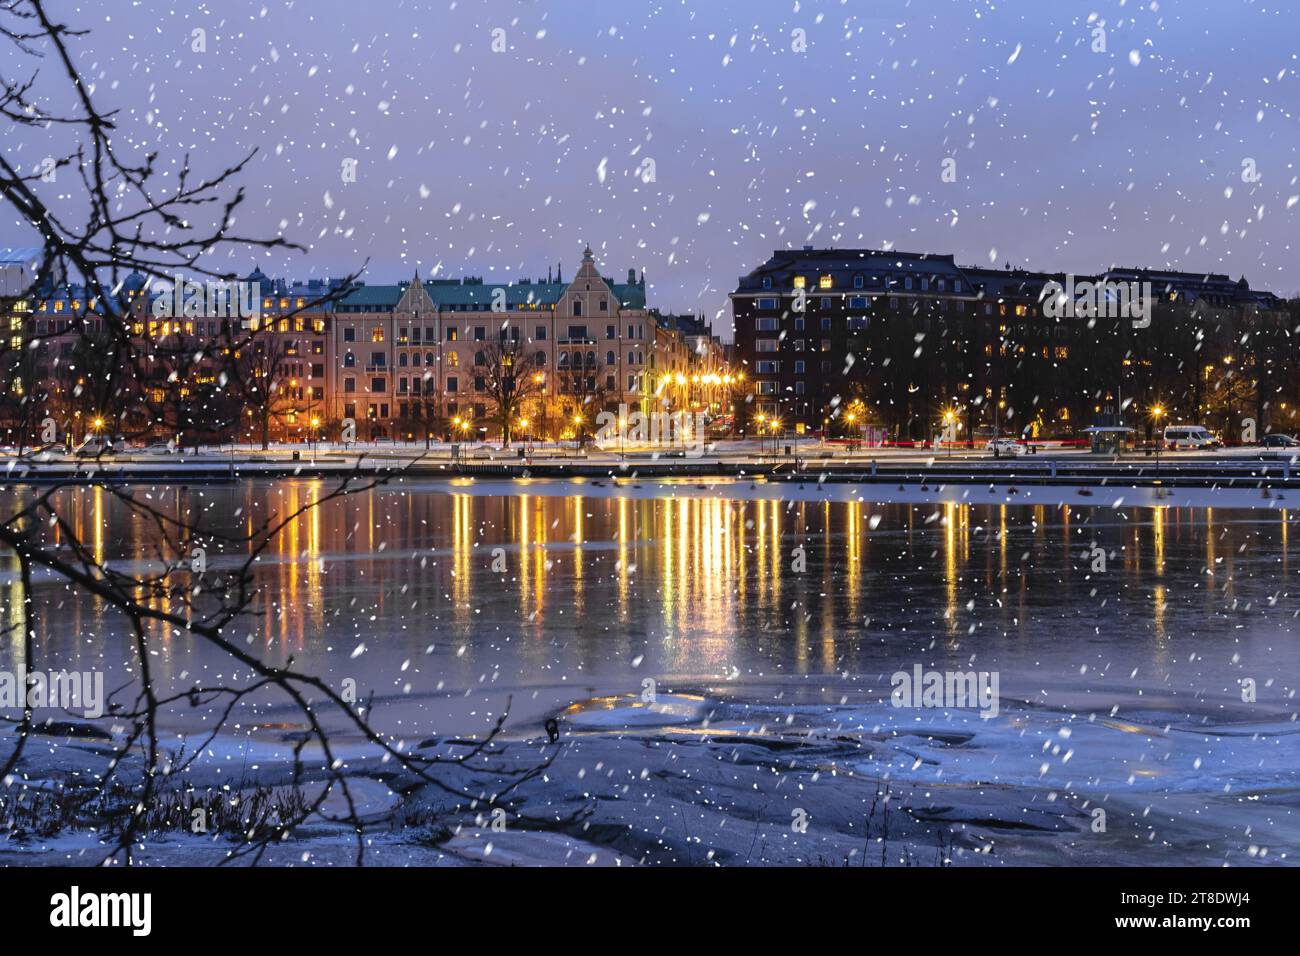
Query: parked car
(1278, 440)
(45, 451)
(94, 448)
(1005, 446)
(1189, 436)
(160, 448)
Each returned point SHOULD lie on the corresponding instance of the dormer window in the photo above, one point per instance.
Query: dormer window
(857, 282)
(767, 282)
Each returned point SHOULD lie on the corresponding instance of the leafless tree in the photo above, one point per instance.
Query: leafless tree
(120, 215)
(510, 381)
(260, 379)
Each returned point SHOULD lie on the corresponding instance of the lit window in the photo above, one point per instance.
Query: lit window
(824, 282)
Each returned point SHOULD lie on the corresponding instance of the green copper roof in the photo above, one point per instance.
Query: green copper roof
(472, 295)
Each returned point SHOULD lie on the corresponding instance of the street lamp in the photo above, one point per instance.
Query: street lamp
(1156, 412)
(315, 425)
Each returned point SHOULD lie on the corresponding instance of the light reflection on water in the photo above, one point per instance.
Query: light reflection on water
(706, 587)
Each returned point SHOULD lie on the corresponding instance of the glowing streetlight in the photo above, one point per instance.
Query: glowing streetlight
(1156, 412)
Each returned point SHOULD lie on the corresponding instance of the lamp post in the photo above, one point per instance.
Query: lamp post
(775, 427)
(315, 426)
(1156, 412)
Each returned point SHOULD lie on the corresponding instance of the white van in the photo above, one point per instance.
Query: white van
(1189, 436)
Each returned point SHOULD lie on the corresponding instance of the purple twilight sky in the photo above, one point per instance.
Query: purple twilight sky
(689, 139)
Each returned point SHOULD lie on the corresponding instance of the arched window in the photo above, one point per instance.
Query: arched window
(609, 358)
(577, 307)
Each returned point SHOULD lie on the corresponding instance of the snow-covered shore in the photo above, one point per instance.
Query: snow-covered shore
(705, 778)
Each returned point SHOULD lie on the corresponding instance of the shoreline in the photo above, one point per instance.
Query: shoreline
(1235, 481)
